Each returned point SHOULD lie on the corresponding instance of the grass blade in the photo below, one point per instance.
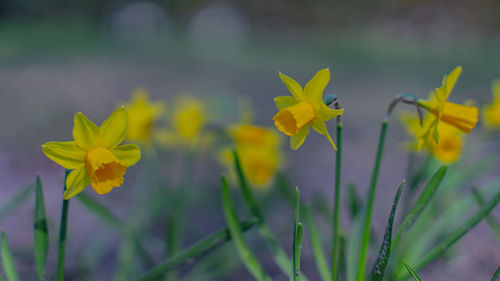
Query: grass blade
(296, 239)
(244, 251)
(378, 269)
(492, 222)
(365, 237)
(18, 198)
(41, 233)
(317, 248)
(497, 273)
(458, 233)
(411, 271)
(62, 234)
(201, 247)
(280, 256)
(422, 201)
(7, 260)
(108, 217)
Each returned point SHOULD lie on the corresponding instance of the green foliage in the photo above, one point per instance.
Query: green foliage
(378, 269)
(41, 232)
(244, 251)
(7, 260)
(411, 271)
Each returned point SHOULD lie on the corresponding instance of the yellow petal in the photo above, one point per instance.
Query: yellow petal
(451, 80)
(314, 88)
(76, 182)
(325, 113)
(85, 132)
(113, 130)
(128, 154)
(66, 154)
(294, 87)
(320, 127)
(105, 170)
(285, 101)
(291, 120)
(297, 140)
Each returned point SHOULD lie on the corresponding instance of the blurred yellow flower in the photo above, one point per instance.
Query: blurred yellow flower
(304, 108)
(141, 116)
(450, 138)
(258, 151)
(491, 112)
(459, 116)
(95, 155)
(189, 118)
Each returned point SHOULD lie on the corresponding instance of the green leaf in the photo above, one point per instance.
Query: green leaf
(280, 256)
(61, 251)
(497, 273)
(41, 233)
(108, 217)
(200, 248)
(378, 269)
(458, 233)
(297, 239)
(316, 246)
(492, 222)
(16, 199)
(244, 251)
(411, 271)
(422, 201)
(7, 260)
(368, 205)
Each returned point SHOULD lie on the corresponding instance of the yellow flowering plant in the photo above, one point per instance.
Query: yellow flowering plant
(304, 109)
(462, 117)
(188, 118)
(491, 112)
(142, 113)
(259, 152)
(450, 138)
(95, 155)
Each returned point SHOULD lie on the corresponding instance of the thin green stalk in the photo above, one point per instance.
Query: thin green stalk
(296, 242)
(316, 246)
(62, 234)
(497, 273)
(7, 259)
(336, 200)
(369, 203)
(41, 232)
(492, 222)
(199, 248)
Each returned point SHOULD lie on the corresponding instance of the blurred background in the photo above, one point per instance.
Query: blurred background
(61, 57)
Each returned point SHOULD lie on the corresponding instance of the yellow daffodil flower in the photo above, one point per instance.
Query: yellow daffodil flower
(258, 150)
(95, 155)
(459, 116)
(450, 138)
(304, 109)
(491, 112)
(189, 118)
(141, 116)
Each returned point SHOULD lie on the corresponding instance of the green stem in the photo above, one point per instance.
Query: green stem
(62, 234)
(201, 247)
(369, 203)
(336, 200)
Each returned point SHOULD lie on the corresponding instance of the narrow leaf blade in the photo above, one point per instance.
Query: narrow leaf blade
(7, 260)
(378, 269)
(41, 233)
(316, 246)
(244, 251)
(411, 271)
